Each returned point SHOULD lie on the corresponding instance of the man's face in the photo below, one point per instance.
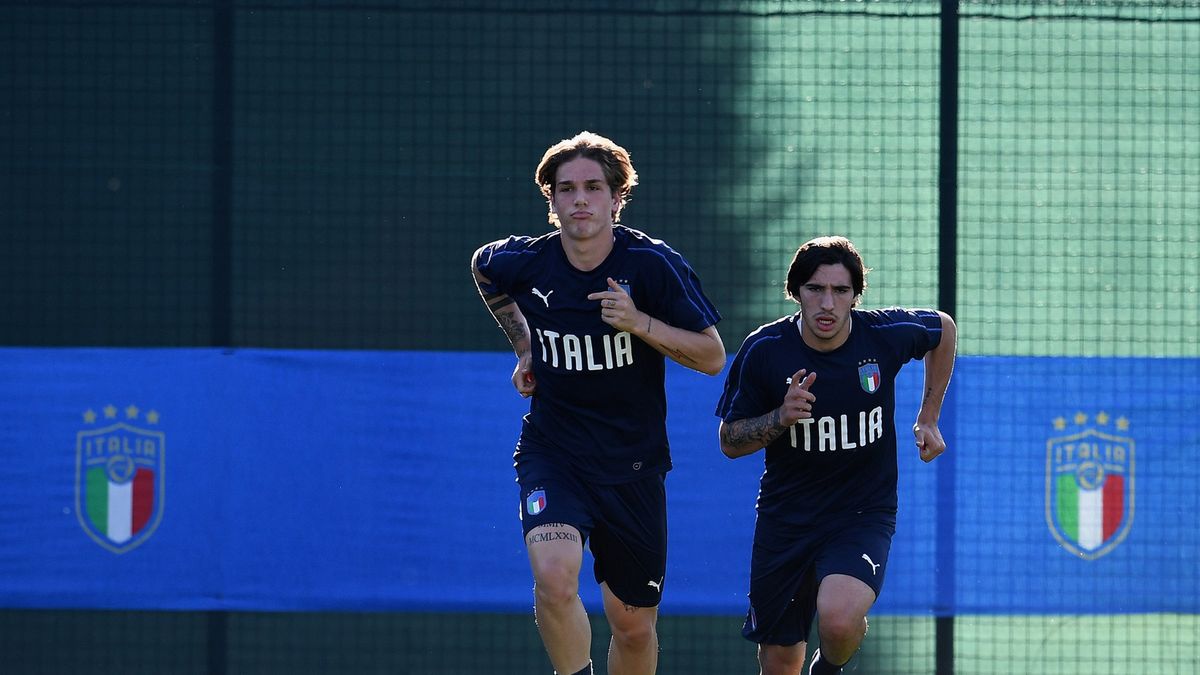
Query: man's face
(825, 303)
(582, 200)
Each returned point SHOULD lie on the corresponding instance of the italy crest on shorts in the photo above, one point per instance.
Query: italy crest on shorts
(535, 503)
(119, 467)
(1090, 485)
(868, 377)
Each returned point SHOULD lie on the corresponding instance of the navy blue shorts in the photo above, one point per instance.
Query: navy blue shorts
(624, 526)
(788, 564)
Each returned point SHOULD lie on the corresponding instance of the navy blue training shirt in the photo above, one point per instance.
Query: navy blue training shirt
(600, 402)
(843, 459)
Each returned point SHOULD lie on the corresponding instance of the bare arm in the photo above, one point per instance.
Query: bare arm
(510, 319)
(746, 436)
(939, 365)
(703, 351)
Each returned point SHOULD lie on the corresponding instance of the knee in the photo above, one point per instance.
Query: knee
(635, 631)
(843, 630)
(555, 584)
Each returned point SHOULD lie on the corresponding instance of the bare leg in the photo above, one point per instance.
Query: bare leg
(634, 646)
(555, 556)
(781, 659)
(842, 605)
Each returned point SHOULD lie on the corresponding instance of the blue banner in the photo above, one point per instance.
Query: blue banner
(288, 480)
(1025, 424)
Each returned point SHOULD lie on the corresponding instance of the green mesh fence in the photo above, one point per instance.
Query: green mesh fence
(1079, 161)
(371, 150)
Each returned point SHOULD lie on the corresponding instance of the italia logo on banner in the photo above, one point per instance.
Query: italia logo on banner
(119, 467)
(868, 376)
(1090, 484)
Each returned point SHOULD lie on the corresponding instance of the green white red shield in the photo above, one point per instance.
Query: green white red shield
(119, 484)
(1089, 491)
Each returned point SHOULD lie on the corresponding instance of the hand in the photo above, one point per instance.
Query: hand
(929, 440)
(522, 377)
(617, 308)
(797, 403)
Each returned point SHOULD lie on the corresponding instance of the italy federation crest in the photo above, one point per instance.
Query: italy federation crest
(535, 503)
(868, 377)
(1090, 486)
(119, 469)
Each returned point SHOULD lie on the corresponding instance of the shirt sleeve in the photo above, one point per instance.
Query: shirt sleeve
(682, 302)
(745, 394)
(921, 328)
(497, 262)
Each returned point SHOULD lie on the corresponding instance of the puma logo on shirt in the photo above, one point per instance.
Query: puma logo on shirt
(545, 297)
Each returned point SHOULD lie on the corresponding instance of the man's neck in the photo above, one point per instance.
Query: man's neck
(825, 346)
(587, 254)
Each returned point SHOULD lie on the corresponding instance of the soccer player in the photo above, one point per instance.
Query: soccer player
(591, 309)
(817, 390)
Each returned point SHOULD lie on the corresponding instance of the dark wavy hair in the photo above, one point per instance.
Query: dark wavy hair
(833, 250)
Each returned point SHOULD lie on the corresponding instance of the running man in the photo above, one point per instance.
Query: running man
(591, 309)
(817, 390)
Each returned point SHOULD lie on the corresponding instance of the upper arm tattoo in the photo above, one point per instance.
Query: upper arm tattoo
(498, 301)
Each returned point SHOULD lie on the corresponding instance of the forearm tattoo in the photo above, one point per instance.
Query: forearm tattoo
(513, 329)
(680, 356)
(759, 430)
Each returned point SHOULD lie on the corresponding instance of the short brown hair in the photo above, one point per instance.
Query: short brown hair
(613, 159)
